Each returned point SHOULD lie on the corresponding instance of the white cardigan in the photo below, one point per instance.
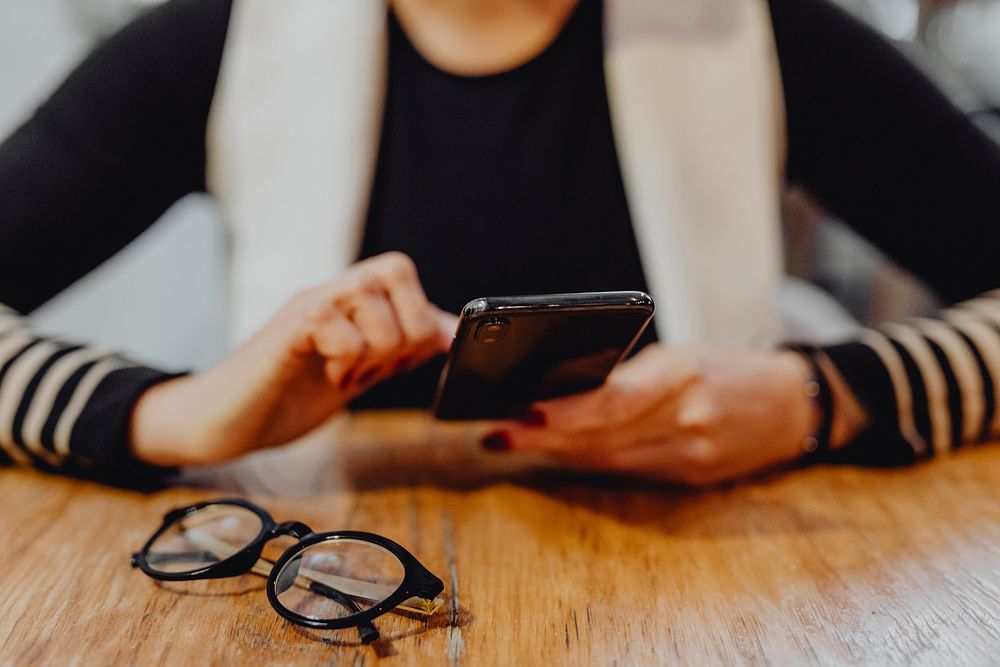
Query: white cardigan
(697, 114)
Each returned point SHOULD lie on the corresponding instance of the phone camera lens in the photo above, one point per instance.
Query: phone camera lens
(492, 331)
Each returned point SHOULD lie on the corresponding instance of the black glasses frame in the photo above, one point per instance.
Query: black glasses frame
(418, 581)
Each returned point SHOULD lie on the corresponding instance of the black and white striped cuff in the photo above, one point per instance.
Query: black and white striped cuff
(66, 406)
(930, 385)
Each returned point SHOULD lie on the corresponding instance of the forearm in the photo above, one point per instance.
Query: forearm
(117, 143)
(66, 407)
(848, 417)
(927, 385)
(207, 417)
(886, 152)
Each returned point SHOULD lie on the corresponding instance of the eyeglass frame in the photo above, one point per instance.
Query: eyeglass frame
(417, 581)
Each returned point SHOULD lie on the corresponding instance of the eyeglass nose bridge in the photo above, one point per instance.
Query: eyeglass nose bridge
(296, 529)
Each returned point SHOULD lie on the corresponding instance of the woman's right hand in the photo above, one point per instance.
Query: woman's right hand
(325, 347)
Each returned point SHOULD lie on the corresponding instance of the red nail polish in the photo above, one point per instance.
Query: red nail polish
(346, 380)
(367, 376)
(532, 417)
(403, 364)
(498, 441)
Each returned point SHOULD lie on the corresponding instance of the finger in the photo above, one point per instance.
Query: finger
(368, 277)
(427, 330)
(520, 439)
(446, 325)
(691, 461)
(335, 338)
(440, 342)
(606, 459)
(517, 437)
(416, 316)
(375, 318)
(633, 388)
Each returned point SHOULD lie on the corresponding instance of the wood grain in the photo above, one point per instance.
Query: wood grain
(820, 566)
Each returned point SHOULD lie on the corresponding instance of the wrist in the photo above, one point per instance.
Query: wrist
(164, 429)
(804, 416)
(849, 416)
(838, 417)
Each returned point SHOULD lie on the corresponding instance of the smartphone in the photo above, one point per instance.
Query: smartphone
(511, 351)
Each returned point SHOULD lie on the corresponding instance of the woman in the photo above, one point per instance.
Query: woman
(466, 148)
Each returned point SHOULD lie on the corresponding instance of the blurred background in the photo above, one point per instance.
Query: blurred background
(163, 299)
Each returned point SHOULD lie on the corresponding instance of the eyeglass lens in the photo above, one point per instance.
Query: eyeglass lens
(330, 580)
(337, 579)
(203, 538)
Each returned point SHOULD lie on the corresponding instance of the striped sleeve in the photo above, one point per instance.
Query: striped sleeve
(67, 407)
(929, 385)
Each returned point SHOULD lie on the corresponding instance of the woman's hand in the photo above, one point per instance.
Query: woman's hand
(691, 414)
(326, 346)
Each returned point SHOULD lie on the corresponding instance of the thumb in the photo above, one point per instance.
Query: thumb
(447, 324)
(632, 388)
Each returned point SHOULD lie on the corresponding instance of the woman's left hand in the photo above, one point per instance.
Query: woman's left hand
(690, 414)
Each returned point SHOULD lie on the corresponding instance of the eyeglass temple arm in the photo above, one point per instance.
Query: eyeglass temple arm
(367, 631)
(349, 586)
(163, 557)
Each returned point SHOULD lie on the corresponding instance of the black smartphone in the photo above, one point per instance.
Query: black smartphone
(511, 351)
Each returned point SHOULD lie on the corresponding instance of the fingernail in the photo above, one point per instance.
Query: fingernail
(403, 364)
(532, 417)
(498, 441)
(367, 375)
(345, 381)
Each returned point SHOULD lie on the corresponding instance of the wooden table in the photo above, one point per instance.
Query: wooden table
(821, 566)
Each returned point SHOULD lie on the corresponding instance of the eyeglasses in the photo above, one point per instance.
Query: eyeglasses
(330, 580)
